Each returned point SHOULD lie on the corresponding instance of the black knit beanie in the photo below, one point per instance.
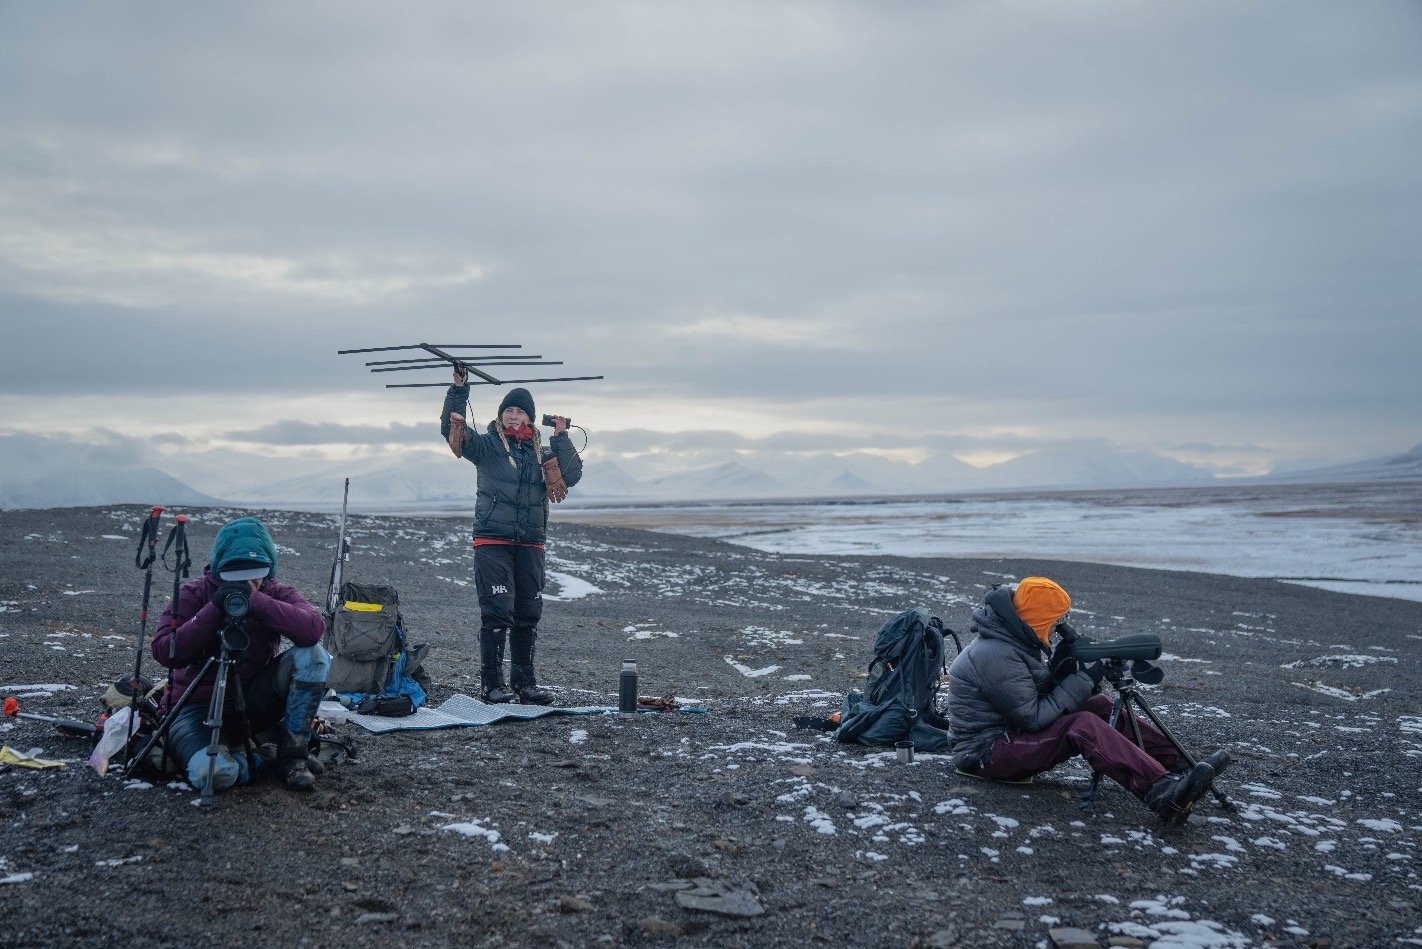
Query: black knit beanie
(519, 398)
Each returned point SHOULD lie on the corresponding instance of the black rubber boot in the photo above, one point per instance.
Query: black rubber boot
(491, 666)
(1173, 797)
(522, 676)
(1219, 761)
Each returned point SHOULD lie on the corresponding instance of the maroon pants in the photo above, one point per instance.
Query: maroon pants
(1112, 751)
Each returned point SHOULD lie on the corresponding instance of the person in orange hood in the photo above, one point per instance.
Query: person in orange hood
(1012, 714)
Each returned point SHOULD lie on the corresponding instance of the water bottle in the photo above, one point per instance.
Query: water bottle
(627, 687)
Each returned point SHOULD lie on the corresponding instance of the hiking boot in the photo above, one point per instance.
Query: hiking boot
(1219, 761)
(1173, 797)
(533, 695)
(498, 694)
(291, 763)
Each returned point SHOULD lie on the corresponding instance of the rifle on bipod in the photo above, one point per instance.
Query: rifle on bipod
(343, 554)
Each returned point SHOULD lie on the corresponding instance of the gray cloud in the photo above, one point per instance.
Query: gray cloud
(1165, 223)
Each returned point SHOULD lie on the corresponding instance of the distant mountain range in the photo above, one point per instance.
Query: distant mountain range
(1404, 467)
(85, 486)
(421, 476)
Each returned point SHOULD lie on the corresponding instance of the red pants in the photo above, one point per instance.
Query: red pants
(1109, 750)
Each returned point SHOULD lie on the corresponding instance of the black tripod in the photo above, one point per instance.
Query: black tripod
(1123, 681)
(234, 643)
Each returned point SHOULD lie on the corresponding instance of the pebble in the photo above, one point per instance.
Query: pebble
(943, 939)
(717, 896)
(656, 926)
(377, 917)
(573, 904)
(1070, 937)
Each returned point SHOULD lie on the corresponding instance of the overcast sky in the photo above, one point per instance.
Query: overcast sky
(1190, 228)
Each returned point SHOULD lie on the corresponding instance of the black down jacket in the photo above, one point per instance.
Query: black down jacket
(512, 501)
(999, 684)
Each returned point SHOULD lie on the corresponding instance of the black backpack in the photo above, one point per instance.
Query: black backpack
(909, 661)
(901, 688)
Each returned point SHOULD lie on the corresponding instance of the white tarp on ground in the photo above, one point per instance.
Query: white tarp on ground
(457, 711)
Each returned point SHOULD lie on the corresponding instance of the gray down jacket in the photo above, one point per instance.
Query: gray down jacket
(512, 502)
(999, 684)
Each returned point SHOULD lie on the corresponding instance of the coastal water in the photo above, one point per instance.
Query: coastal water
(1355, 538)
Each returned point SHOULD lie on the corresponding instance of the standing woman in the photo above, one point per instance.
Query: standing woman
(517, 478)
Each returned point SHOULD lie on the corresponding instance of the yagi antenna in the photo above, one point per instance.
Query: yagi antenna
(474, 364)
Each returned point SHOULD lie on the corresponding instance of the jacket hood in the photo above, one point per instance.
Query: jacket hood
(245, 539)
(997, 619)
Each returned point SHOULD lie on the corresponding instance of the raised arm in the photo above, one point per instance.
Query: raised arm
(456, 400)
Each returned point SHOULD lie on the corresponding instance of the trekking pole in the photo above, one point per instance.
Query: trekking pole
(343, 553)
(143, 560)
(182, 562)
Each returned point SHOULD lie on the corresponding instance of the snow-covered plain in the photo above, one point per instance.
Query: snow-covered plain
(1353, 539)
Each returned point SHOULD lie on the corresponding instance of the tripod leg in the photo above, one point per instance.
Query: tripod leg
(1224, 802)
(229, 773)
(161, 732)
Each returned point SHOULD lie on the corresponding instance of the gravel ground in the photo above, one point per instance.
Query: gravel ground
(729, 828)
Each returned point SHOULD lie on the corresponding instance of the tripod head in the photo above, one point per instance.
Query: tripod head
(1123, 676)
(233, 640)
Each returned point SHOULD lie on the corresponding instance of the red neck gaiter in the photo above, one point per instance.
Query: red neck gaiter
(521, 433)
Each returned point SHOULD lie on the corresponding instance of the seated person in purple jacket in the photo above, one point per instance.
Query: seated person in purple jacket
(281, 689)
(1011, 715)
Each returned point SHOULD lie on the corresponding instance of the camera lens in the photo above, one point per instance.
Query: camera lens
(236, 605)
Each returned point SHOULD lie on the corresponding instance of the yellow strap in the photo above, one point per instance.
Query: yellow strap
(363, 607)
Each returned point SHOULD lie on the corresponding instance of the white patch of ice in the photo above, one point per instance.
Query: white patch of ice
(1346, 662)
(819, 820)
(1336, 693)
(570, 587)
(747, 671)
(39, 690)
(118, 861)
(16, 878)
(474, 829)
(577, 736)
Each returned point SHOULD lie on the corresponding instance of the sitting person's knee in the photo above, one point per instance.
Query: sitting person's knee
(310, 663)
(1099, 705)
(224, 769)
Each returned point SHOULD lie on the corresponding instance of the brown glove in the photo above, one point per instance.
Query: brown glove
(456, 434)
(553, 479)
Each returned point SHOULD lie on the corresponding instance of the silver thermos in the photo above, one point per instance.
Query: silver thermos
(627, 687)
